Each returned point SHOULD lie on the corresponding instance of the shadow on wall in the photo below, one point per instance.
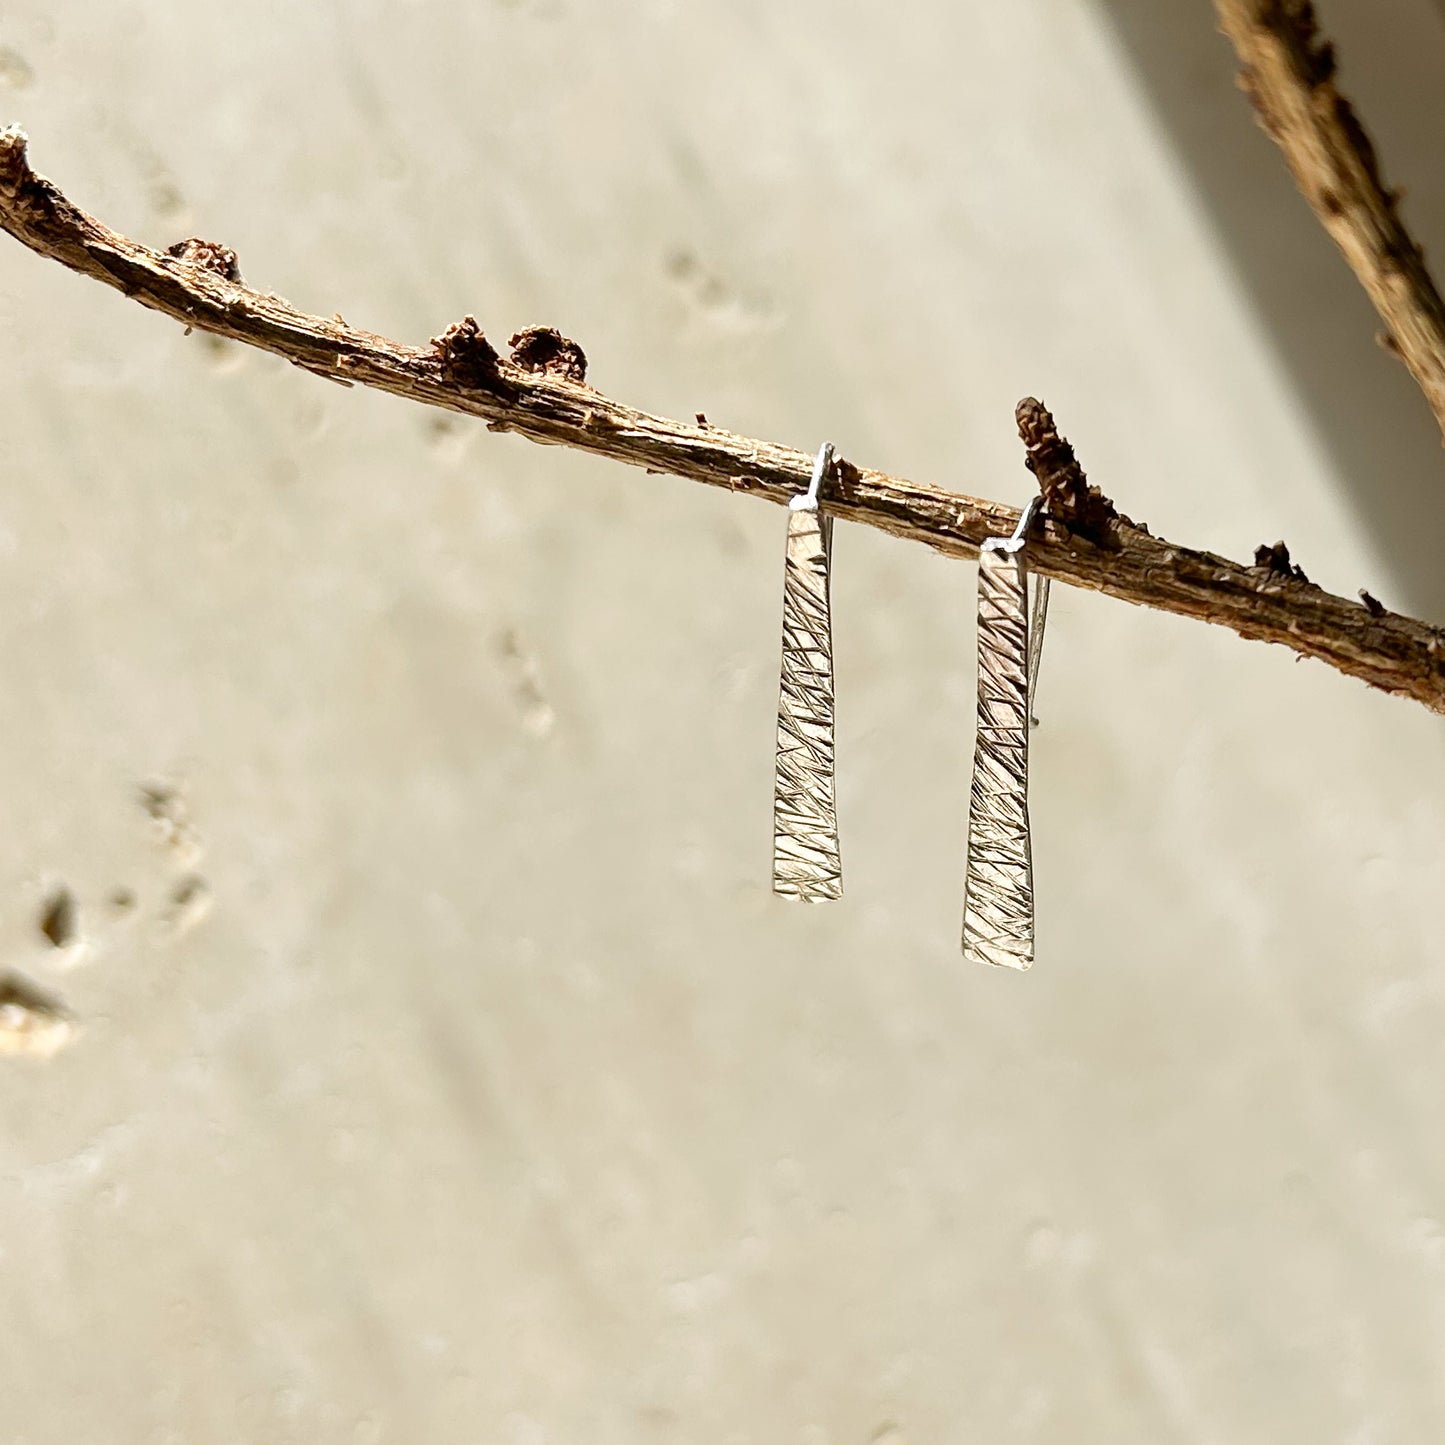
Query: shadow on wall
(1363, 404)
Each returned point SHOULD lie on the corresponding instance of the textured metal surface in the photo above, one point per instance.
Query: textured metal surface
(1038, 615)
(998, 908)
(806, 863)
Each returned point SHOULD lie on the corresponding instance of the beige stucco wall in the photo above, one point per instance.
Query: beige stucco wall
(453, 1076)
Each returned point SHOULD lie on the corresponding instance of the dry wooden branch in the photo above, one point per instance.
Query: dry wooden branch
(540, 394)
(1289, 73)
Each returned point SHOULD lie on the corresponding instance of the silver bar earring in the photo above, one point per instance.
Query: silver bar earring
(806, 864)
(998, 900)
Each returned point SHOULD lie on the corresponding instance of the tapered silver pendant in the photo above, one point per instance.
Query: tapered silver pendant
(806, 863)
(998, 908)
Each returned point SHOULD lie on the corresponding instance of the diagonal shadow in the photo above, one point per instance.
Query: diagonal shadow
(1363, 404)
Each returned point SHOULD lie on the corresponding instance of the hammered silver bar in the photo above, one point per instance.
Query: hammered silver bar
(806, 863)
(998, 906)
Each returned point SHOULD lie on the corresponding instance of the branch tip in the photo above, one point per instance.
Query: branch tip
(1068, 497)
(14, 161)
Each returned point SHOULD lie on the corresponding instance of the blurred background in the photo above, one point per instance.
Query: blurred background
(387, 803)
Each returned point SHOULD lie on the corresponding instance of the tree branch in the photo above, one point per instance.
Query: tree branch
(1289, 73)
(539, 393)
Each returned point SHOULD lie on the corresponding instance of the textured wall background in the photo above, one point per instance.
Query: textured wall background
(451, 1074)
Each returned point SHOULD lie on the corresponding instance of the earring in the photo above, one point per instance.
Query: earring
(806, 864)
(998, 899)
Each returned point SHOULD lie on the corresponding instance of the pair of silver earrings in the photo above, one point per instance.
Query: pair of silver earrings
(998, 909)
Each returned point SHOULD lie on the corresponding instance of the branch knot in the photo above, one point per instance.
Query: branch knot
(545, 349)
(467, 357)
(1297, 19)
(1278, 563)
(208, 256)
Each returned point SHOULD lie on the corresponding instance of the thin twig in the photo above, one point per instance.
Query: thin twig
(540, 394)
(1288, 73)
